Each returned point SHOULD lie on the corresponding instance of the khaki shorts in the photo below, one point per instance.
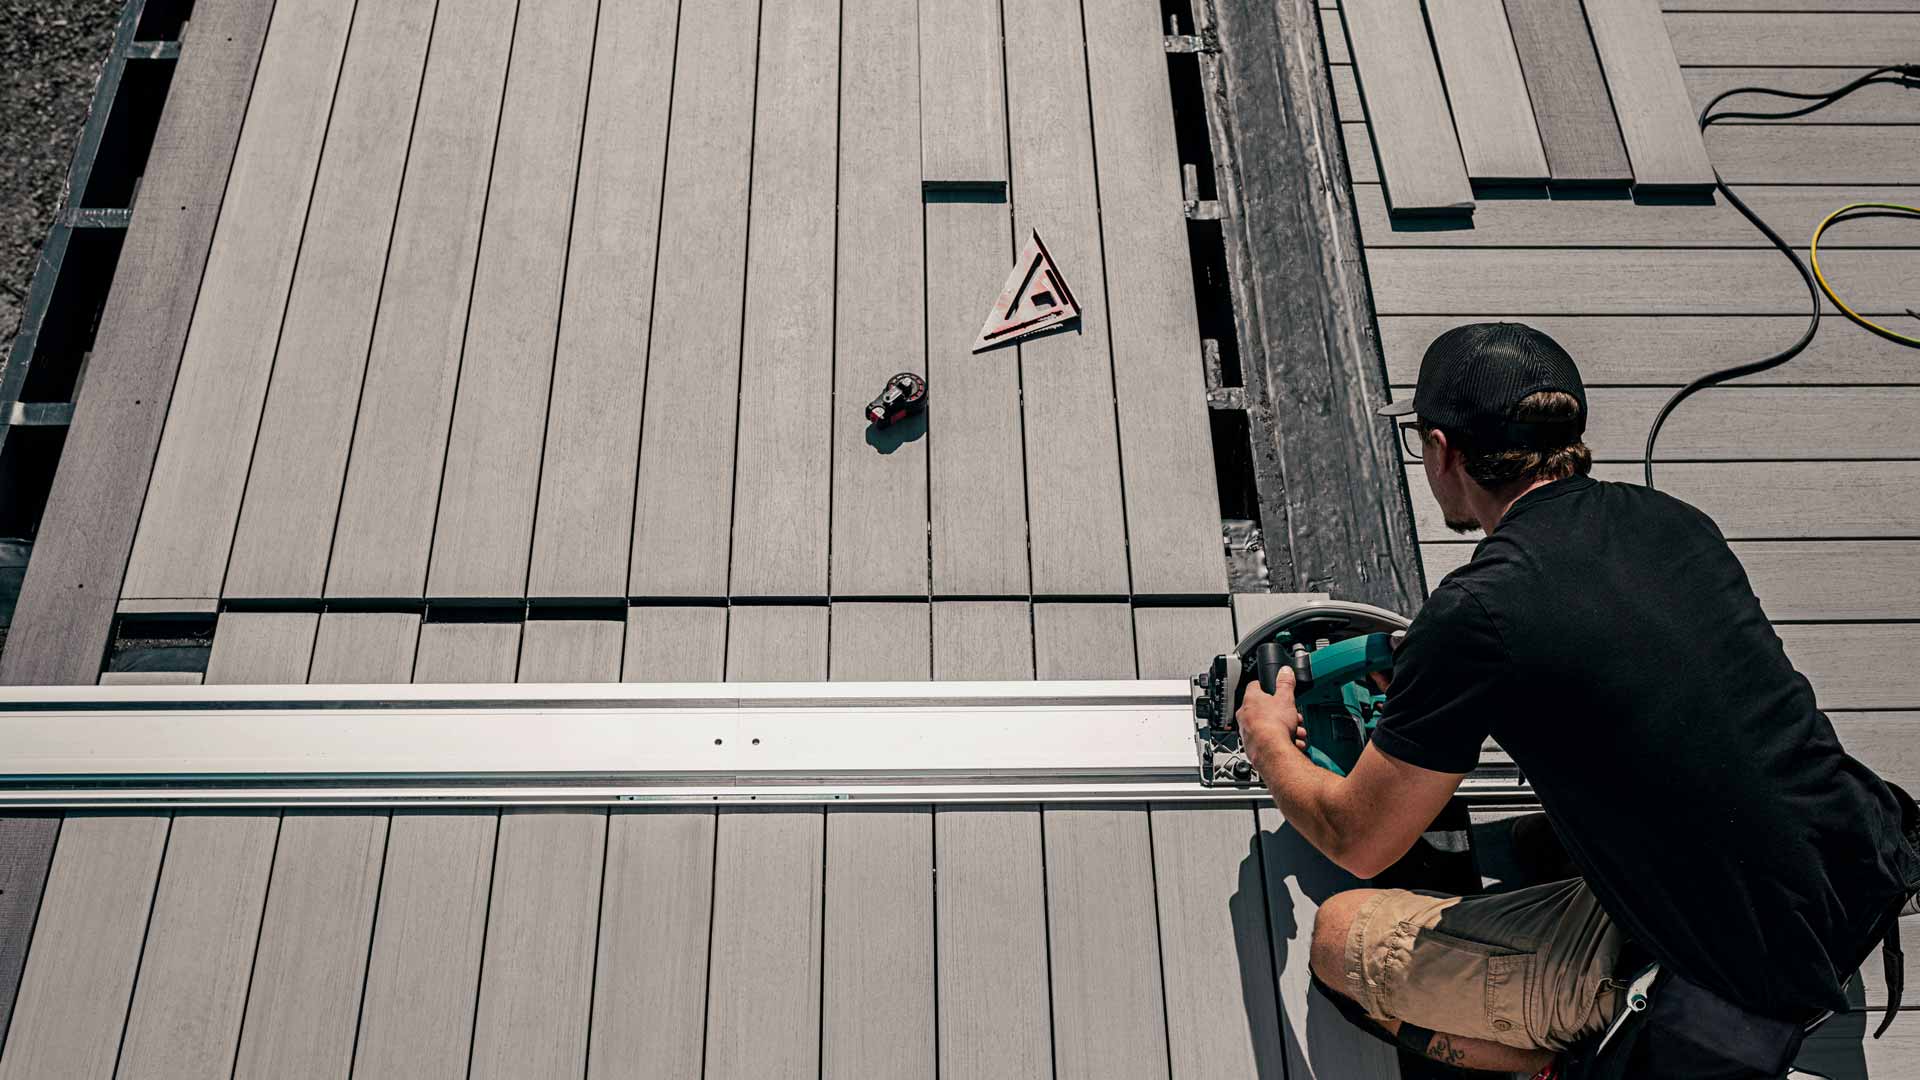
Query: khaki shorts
(1532, 969)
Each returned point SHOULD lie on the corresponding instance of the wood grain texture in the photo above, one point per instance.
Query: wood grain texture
(583, 527)
(1793, 38)
(365, 647)
(417, 1014)
(26, 851)
(198, 958)
(571, 650)
(1531, 221)
(1771, 423)
(1570, 103)
(982, 639)
(483, 532)
(675, 644)
(776, 644)
(1873, 580)
(977, 448)
(877, 1008)
(262, 647)
(1813, 154)
(650, 984)
(1223, 1011)
(963, 127)
(1167, 469)
(763, 994)
(1650, 100)
(1083, 641)
(536, 979)
(1407, 107)
(1103, 937)
(880, 642)
(1816, 500)
(1887, 103)
(879, 533)
(303, 1003)
(193, 498)
(1173, 643)
(1320, 1043)
(1856, 665)
(388, 500)
(684, 507)
(64, 618)
(995, 1014)
(1079, 539)
(782, 460)
(1663, 351)
(1680, 282)
(1492, 114)
(286, 516)
(458, 652)
(72, 1005)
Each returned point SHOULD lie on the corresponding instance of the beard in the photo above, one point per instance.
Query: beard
(1462, 525)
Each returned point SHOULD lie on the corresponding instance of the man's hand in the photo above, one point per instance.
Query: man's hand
(1268, 722)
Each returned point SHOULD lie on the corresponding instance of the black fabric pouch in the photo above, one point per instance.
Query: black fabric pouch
(1687, 1031)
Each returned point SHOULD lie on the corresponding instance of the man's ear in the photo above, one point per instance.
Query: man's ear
(1439, 450)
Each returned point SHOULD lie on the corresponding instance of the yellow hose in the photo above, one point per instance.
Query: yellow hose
(1814, 258)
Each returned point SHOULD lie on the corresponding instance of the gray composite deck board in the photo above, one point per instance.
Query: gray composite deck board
(1813, 154)
(963, 122)
(776, 644)
(1407, 107)
(198, 958)
(1083, 641)
(571, 650)
(884, 319)
(977, 456)
(650, 983)
(1678, 282)
(877, 1005)
(1865, 580)
(79, 975)
(1166, 448)
(995, 1017)
(1650, 100)
(879, 642)
(417, 1012)
(1882, 104)
(1570, 103)
(1078, 539)
(1223, 1008)
(683, 509)
(1795, 38)
(384, 531)
(1856, 665)
(675, 644)
(286, 516)
(1250, 610)
(982, 639)
(1320, 1044)
(262, 647)
(1103, 934)
(365, 647)
(1805, 423)
(764, 985)
(1175, 643)
(583, 524)
(193, 498)
(1492, 113)
(458, 652)
(26, 851)
(151, 678)
(1536, 222)
(782, 460)
(483, 532)
(1791, 500)
(64, 617)
(303, 1001)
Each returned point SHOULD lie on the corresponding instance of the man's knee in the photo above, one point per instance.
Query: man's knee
(1331, 929)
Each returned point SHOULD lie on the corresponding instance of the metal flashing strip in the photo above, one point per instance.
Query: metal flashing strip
(146, 746)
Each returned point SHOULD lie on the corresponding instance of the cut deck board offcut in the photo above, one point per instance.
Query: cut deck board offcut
(1407, 107)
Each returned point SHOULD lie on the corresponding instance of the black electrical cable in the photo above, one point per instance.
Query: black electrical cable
(1900, 74)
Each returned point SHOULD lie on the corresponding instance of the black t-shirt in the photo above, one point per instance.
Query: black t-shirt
(1607, 637)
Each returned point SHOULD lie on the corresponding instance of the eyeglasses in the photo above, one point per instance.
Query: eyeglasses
(1412, 439)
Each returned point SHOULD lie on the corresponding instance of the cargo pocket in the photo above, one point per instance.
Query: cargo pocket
(1465, 987)
(1509, 996)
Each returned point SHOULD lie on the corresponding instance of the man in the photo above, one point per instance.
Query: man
(1607, 637)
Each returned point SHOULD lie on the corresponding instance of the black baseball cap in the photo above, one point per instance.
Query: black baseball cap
(1474, 377)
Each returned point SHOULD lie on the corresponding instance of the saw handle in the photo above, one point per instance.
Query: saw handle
(1267, 661)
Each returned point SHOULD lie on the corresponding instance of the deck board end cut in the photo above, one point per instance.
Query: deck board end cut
(1420, 158)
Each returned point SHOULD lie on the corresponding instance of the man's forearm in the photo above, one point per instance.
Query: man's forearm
(1308, 797)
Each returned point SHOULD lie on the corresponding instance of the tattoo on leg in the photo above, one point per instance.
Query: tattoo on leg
(1441, 1049)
